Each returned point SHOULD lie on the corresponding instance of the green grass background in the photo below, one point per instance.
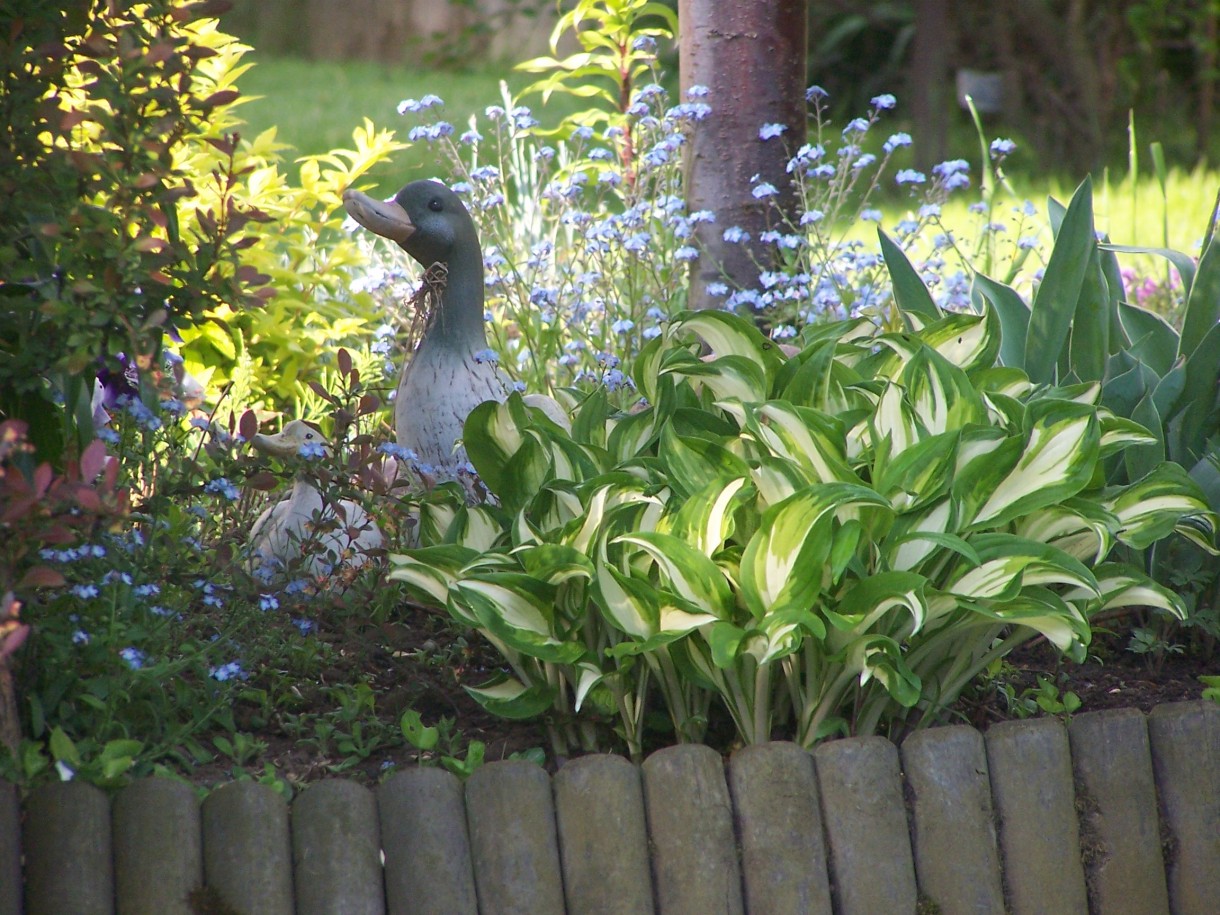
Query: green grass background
(315, 105)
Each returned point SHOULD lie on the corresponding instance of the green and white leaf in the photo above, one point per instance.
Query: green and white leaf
(519, 610)
(784, 562)
(940, 393)
(867, 600)
(966, 341)
(727, 377)
(508, 697)
(705, 520)
(1057, 461)
(686, 571)
(1061, 622)
(1010, 563)
(805, 437)
(1079, 527)
(432, 570)
(1123, 586)
(1164, 501)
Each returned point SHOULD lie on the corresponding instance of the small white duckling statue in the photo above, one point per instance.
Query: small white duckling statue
(344, 532)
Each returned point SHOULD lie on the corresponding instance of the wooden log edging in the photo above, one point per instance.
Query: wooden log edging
(1117, 812)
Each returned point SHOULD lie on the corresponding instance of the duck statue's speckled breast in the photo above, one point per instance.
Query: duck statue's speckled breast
(451, 384)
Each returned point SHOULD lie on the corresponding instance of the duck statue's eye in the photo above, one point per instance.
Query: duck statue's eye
(435, 205)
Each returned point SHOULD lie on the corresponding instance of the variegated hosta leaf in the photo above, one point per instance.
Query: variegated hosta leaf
(630, 605)
(705, 520)
(805, 437)
(784, 632)
(1005, 411)
(940, 393)
(777, 479)
(853, 330)
(617, 490)
(844, 548)
(1164, 501)
(686, 571)
(435, 517)
(1002, 379)
(915, 536)
(1079, 527)
(822, 379)
(968, 341)
(731, 335)
(519, 610)
(508, 697)
(492, 434)
(588, 675)
(1057, 461)
(476, 527)
(867, 600)
(919, 475)
(889, 352)
(725, 640)
(1083, 392)
(647, 368)
(1044, 611)
(784, 562)
(1119, 433)
(632, 435)
(1009, 564)
(881, 658)
(569, 460)
(555, 506)
(775, 637)
(727, 377)
(431, 571)
(1123, 586)
(894, 420)
(694, 462)
(554, 563)
(649, 615)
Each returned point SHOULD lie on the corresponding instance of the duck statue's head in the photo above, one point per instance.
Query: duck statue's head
(425, 218)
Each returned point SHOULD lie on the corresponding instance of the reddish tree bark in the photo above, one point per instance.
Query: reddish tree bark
(930, 81)
(750, 54)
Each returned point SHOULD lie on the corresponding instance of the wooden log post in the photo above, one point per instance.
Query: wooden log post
(247, 850)
(513, 841)
(336, 850)
(68, 850)
(427, 848)
(158, 847)
(690, 824)
(603, 838)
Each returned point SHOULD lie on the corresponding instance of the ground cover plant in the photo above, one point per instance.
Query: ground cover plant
(629, 587)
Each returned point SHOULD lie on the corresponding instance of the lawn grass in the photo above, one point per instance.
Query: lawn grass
(315, 105)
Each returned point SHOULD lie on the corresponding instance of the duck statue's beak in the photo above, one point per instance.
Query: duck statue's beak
(385, 217)
(289, 441)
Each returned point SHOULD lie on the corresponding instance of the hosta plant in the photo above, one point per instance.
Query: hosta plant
(1080, 327)
(834, 541)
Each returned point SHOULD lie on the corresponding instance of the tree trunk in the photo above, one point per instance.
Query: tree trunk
(930, 84)
(750, 54)
(1206, 72)
(10, 721)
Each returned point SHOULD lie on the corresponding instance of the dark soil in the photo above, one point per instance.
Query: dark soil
(417, 662)
(1111, 678)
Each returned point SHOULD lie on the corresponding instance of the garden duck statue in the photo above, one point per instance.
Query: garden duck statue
(447, 376)
(344, 534)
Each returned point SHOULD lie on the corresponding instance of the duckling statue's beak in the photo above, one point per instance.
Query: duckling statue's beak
(289, 442)
(385, 217)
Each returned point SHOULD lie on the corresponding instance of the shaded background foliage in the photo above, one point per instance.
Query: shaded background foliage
(1071, 70)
